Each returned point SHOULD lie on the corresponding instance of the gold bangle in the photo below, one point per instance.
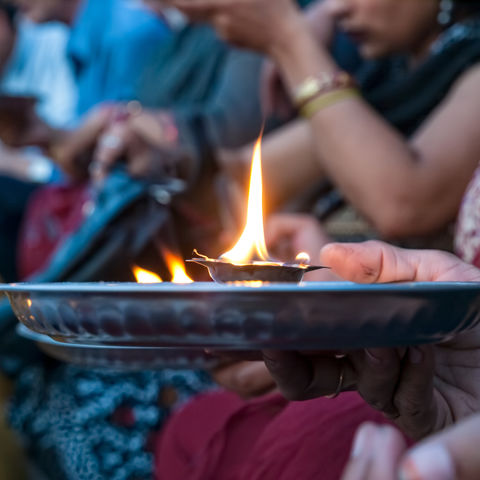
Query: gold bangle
(312, 87)
(325, 100)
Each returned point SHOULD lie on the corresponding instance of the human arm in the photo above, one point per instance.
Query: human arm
(273, 94)
(289, 163)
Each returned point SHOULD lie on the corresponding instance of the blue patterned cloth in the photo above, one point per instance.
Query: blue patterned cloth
(80, 424)
(67, 418)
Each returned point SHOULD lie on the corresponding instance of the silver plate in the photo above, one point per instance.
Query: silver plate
(120, 357)
(285, 316)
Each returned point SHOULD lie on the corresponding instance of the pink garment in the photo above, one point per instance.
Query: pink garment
(218, 436)
(467, 233)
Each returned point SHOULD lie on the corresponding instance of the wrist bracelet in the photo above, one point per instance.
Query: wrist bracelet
(313, 87)
(324, 100)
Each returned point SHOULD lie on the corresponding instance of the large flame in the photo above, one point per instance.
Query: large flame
(176, 267)
(145, 276)
(251, 245)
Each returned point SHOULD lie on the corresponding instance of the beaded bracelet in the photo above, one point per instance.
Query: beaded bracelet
(324, 100)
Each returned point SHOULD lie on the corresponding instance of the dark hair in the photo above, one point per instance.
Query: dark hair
(9, 10)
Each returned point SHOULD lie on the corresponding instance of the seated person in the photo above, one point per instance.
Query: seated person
(106, 43)
(38, 67)
(399, 181)
(110, 44)
(33, 65)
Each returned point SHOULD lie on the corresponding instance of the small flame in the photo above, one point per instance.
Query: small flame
(145, 276)
(176, 267)
(251, 245)
(303, 258)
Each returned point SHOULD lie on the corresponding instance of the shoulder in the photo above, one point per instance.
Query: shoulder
(463, 96)
(468, 80)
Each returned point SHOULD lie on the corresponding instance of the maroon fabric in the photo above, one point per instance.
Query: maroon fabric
(218, 436)
(53, 212)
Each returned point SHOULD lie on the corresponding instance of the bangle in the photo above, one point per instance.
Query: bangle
(325, 100)
(313, 87)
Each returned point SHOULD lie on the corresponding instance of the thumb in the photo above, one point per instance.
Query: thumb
(378, 262)
(450, 455)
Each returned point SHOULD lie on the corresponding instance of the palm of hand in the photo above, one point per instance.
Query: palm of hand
(457, 378)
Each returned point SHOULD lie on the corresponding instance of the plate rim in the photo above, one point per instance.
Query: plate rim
(211, 287)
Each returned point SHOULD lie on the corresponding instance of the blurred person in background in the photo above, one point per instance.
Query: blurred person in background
(38, 93)
(411, 95)
(75, 55)
(110, 44)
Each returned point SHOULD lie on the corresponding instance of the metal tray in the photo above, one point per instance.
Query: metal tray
(284, 316)
(121, 357)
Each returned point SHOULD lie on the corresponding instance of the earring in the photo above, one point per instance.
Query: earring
(444, 16)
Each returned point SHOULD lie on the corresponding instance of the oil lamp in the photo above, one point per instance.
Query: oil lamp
(248, 260)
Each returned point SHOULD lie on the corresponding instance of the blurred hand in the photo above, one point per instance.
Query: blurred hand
(247, 379)
(255, 24)
(73, 151)
(380, 453)
(287, 235)
(423, 389)
(145, 141)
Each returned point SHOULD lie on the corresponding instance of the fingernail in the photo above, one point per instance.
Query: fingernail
(429, 462)
(362, 438)
(415, 355)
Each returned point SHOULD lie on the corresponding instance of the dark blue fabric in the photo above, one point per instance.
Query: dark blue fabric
(14, 195)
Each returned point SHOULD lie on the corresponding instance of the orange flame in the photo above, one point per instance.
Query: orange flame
(176, 267)
(251, 244)
(145, 276)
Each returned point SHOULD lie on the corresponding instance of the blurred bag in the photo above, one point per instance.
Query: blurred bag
(73, 233)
